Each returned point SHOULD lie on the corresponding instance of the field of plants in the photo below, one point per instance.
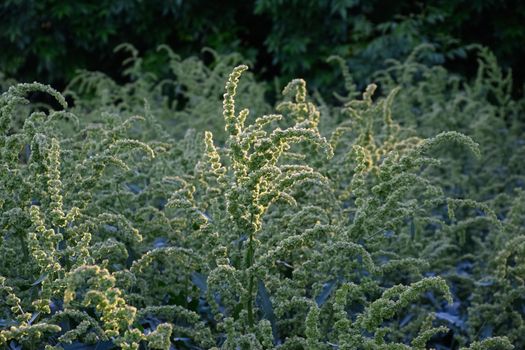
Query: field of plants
(199, 206)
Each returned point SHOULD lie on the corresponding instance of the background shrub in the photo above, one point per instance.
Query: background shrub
(49, 40)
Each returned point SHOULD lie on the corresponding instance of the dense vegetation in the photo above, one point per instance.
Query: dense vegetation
(135, 216)
(48, 40)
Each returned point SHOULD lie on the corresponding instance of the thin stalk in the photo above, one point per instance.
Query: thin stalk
(250, 255)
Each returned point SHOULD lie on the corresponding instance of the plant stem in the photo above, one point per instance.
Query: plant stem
(249, 262)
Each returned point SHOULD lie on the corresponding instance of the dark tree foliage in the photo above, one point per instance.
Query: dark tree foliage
(48, 40)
